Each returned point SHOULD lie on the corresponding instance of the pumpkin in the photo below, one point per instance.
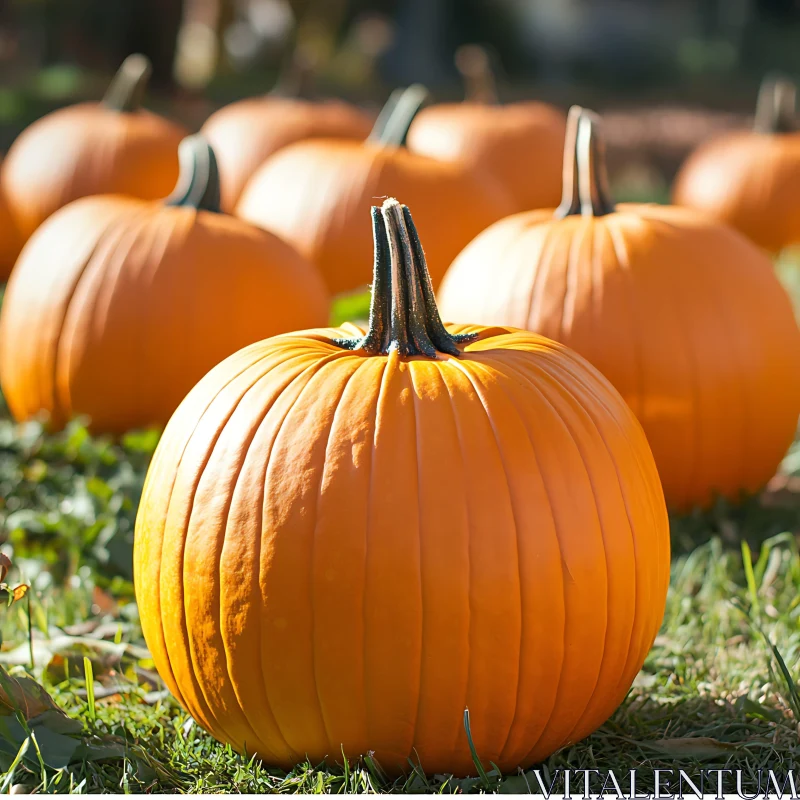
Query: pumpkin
(243, 134)
(92, 148)
(683, 315)
(117, 306)
(751, 179)
(519, 144)
(347, 537)
(315, 193)
(10, 243)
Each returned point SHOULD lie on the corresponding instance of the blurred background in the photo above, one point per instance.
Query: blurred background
(667, 73)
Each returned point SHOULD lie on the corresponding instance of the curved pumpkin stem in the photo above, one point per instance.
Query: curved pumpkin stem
(394, 121)
(403, 315)
(198, 182)
(475, 66)
(776, 107)
(586, 189)
(127, 87)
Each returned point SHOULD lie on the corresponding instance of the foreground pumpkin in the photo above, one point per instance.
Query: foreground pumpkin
(519, 144)
(684, 316)
(117, 306)
(315, 194)
(346, 537)
(92, 148)
(245, 133)
(751, 179)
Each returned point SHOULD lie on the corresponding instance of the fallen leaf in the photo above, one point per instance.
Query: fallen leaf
(692, 747)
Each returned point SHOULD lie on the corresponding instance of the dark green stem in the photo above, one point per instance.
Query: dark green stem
(127, 87)
(475, 65)
(586, 191)
(198, 182)
(776, 107)
(403, 315)
(394, 121)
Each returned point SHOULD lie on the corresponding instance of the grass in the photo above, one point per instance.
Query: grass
(717, 690)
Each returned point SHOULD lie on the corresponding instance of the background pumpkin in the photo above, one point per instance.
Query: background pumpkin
(751, 179)
(243, 134)
(10, 243)
(519, 144)
(92, 148)
(315, 194)
(478, 506)
(118, 306)
(684, 316)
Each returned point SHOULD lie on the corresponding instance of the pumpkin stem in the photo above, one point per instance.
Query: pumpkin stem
(198, 182)
(394, 121)
(475, 66)
(585, 177)
(127, 87)
(403, 315)
(776, 107)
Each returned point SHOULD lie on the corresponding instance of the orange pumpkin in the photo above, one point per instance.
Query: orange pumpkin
(477, 506)
(92, 148)
(314, 194)
(751, 179)
(519, 144)
(244, 134)
(10, 243)
(683, 315)
(118, 306)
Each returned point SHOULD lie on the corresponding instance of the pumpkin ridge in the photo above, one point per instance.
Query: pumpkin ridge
(256, 430)
(562, 391)
(555, 373)
(479, 389)
(176, 471)
(415, 416)
(117, 239)
(543, 724)
(356, 368)
(186, 643)
(145, 503)
(458, 426)
(568, 390)
(108, 239)
(571, 281)
(652, 479)
(370, 493)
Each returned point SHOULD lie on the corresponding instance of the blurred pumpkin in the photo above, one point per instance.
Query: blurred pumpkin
(477, 505)
(10, 240)
(113, 147)
(117, 306)
(314, 194)
(751, 179)
(683, 315)
(520, 144)
(243, 134)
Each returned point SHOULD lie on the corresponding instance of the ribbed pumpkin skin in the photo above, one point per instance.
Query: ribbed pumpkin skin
(117, 307)
(339, 551)
(244, 134)
(88, 149)
(684, 317)
(519, 144)
(10, 243)
(750, 181)
(316, 195)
